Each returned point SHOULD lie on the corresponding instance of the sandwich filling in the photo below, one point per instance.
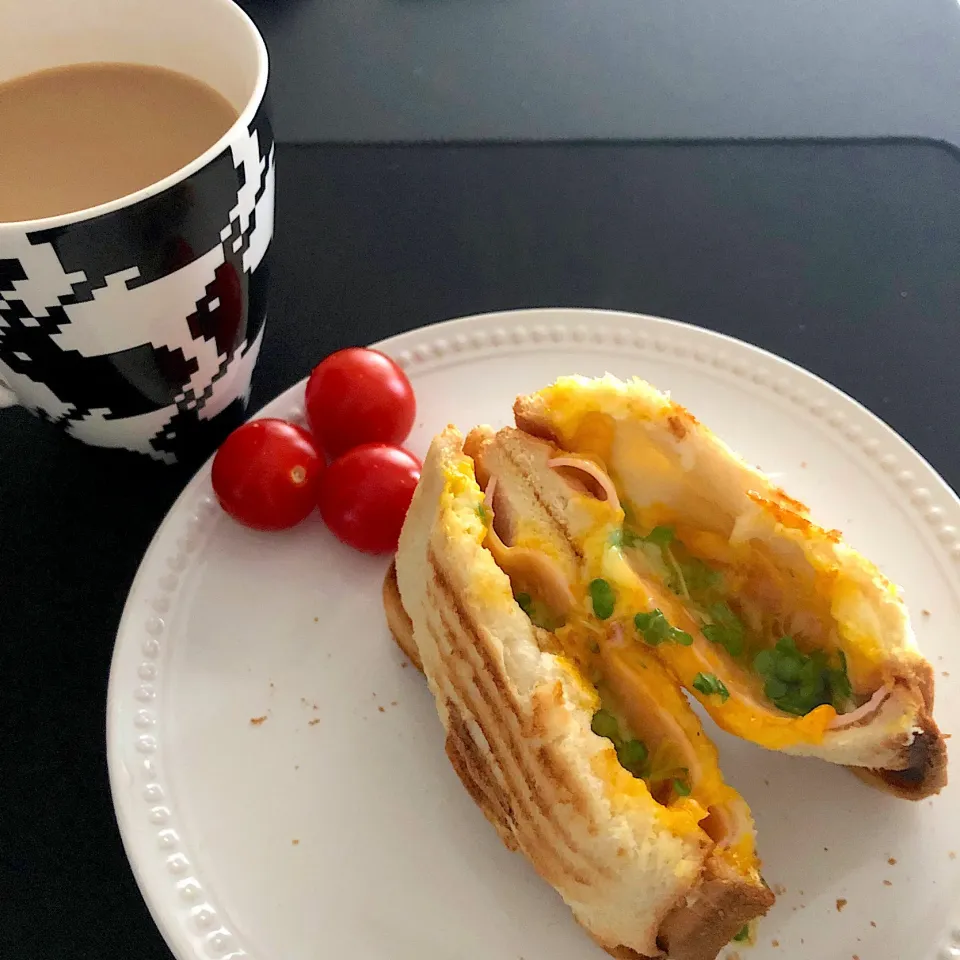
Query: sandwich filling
(575, 590)
(748, 626)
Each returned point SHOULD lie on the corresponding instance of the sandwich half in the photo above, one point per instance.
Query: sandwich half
(787, 636)
(576, 741)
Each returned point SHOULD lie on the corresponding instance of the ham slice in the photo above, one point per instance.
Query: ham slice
(637, 693)
(602, 484)
(863, 712)
(640, 695)
(530, 571)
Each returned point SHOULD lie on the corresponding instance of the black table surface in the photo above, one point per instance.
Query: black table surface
(842, 257)
(376, 70)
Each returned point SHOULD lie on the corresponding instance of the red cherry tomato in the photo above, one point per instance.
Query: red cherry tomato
(359, 396)
(366, 493)
(267, 473)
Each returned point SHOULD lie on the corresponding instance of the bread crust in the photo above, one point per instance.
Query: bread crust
(399, 624)
(518, 735)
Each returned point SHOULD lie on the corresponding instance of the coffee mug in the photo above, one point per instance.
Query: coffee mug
(136, 324)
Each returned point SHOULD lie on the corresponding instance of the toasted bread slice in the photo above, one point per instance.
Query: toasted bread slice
(644, 877)
(770, 567)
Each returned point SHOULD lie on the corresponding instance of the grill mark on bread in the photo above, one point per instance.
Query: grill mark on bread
(510, 762)
(468, 764)
(491, 674)
(515, 753)
(558, 773)
(526, 828)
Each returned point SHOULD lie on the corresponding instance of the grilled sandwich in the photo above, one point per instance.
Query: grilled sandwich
(565, 584)
(576, 742)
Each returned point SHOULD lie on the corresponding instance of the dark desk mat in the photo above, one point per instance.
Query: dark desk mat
(841, 257)
(844, 258)
(403, 70)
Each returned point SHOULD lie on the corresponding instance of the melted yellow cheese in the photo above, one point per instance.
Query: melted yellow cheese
(584, 429)
(461, 502)
(581, 638)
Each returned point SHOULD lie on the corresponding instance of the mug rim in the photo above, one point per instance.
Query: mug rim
(184, 172)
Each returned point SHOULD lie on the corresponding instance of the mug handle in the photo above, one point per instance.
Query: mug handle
(7, 397)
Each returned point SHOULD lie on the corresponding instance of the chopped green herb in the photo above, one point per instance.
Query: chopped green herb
(709, 683)
(689, 575)
(681, 787)
(658, 536)
(538, 613)
(603, 599)
(797, 683)
(676, 580)
(775, 689)
(617, 538)
(605, 725)
(482, 514)
(525, 602)
(656, 629)
(726, 628)
(763, 662)
(661, 536)
(698, 576)
(632, 755)
(839, 683)
(627, 538)
(743, 933)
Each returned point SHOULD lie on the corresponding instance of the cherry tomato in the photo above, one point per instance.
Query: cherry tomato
(366, 493)
(359, 396)
(267, 473)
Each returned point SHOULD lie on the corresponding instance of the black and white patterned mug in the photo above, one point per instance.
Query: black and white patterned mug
(136, 324)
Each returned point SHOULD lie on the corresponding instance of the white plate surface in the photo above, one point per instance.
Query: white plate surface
(334, 826)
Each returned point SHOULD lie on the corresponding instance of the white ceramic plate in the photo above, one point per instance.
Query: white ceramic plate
(278, 769)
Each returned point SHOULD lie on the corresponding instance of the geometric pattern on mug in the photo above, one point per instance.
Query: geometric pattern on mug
(85, 337)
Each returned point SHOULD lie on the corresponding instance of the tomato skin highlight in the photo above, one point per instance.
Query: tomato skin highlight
(366, 493)
(267, 474)
(358, 396)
